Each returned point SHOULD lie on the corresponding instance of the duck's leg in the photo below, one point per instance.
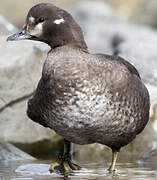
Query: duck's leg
(114, 159)
(64, 163)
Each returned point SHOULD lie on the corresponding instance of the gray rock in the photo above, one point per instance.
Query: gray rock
(8, 152)
(6, 27)
(34, 169)
(94, 17)
(139, 48)
(138, 44)
(20, 70)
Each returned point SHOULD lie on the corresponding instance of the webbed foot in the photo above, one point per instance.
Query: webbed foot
(64, 165)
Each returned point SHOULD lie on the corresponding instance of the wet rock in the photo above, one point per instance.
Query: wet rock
(149, 160)
(8, 152)
(34, 169)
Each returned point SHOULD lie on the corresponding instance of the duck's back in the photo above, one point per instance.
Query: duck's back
(90, 98)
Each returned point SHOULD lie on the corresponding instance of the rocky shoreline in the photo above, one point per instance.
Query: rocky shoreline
(105, 32)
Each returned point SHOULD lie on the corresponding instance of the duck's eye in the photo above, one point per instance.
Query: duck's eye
(41, 19)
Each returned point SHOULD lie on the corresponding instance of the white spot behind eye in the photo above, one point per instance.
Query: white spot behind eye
(32, 19)
(58, 21)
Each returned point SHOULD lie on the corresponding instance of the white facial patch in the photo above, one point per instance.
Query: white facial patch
(36, 31)
(59, 21)
(31, 19)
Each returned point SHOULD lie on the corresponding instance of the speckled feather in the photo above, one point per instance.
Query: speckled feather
(88, 98)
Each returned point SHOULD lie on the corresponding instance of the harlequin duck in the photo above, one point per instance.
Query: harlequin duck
(86, 98)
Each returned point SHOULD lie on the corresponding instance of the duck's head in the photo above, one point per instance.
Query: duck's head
(52, 25)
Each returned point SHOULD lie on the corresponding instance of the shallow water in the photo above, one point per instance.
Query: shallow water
(38, 170)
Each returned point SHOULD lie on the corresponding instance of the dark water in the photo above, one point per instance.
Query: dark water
(38, 170)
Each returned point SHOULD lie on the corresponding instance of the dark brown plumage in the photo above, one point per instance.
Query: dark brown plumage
(86, 98)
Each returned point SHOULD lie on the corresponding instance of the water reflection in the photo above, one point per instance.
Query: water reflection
(38, 170)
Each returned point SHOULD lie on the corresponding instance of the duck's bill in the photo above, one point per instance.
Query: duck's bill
(22, 35)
